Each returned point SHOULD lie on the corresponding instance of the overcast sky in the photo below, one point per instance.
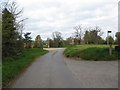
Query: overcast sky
(47, 16)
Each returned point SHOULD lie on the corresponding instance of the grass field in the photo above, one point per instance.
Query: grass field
(11, 67)
(91, 52)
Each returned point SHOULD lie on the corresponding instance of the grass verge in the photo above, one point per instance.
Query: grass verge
(91, 52)
(12, 66)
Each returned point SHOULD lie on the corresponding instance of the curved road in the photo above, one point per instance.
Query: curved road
(52, 71)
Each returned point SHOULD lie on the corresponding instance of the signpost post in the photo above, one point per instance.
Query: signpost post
(110, 44)
(108, 37)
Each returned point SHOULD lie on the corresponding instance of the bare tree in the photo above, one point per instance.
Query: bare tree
(78, 33)
(17, 12)
(57, 37)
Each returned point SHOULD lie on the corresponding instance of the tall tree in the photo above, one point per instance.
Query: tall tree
(9, 35)
(27, 40)
(50, 43)
(86, 37)
(57, 37)
(92, 35)
(16, 11)
(38, 41)
(78, 33)
(12, 43)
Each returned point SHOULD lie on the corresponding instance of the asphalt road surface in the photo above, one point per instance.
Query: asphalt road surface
(55, 71)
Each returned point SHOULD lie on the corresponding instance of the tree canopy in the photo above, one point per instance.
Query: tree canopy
(12, 43)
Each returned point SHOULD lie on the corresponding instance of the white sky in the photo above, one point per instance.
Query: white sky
(47, 16)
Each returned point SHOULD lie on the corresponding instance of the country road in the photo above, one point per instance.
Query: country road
(55, 71)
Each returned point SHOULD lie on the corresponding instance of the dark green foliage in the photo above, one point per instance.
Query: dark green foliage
(11, 43)
(27, 40)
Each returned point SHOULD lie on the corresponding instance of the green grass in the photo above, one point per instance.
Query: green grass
(91, 52)
(11, 67)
